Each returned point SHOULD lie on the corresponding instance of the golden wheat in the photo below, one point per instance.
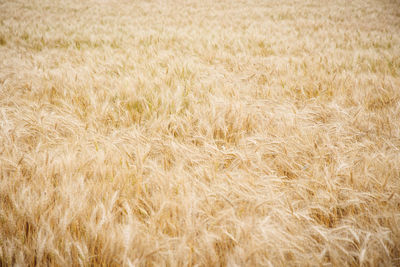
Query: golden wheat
(209, 133)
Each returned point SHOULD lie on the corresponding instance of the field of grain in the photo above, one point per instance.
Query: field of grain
(200, 133)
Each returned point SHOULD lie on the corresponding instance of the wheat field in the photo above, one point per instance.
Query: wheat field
(199, 133)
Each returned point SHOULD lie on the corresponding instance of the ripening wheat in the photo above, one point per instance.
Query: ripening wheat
(201, 133)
